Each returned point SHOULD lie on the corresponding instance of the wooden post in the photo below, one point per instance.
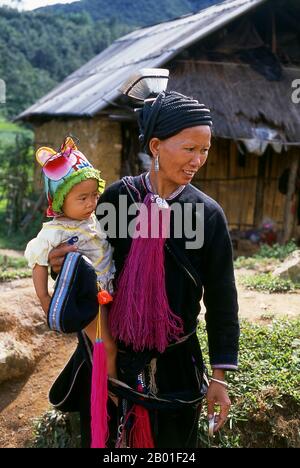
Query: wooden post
(289, 216)
(260, 188)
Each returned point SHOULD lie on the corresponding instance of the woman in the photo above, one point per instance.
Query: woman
(161, 385)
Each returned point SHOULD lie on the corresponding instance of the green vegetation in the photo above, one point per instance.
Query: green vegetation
(10, 275)
(12, 262)
(8, 133)
(270, 283)
(56, 430)
(13, 268)
(265, 394)
(258, 264)
(138, 13)
(18, 220)
(267, 257)
(277, 251)
(38, 49)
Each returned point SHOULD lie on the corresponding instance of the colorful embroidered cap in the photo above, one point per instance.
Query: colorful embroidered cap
(62, 171)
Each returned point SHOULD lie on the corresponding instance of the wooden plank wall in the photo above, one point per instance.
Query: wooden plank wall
(232, 182)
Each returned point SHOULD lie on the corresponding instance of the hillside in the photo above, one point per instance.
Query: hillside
(39, 49)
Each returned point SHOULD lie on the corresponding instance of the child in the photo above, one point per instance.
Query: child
(72, 187)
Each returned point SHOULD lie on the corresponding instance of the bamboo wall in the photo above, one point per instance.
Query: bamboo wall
(232, 185)
(235, 187)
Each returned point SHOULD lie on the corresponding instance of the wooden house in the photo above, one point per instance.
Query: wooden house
(242, 59)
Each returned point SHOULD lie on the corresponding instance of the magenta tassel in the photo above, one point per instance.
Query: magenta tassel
(99, 416)
(140, 315)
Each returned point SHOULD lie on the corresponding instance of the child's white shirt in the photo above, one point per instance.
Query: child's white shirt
(92, 243)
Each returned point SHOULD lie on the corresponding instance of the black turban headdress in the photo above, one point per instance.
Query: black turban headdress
(168, 114)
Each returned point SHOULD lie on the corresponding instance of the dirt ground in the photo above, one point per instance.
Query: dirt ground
(22, 401)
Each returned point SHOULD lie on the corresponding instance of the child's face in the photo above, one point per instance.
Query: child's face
(82, 200)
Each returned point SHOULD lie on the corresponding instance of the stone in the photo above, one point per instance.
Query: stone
(290, 268)
(16, 358)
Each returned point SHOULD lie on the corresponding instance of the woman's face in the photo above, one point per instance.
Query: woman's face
(182, 155)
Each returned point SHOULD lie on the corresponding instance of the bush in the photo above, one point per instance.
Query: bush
(17, 193)
(267, 257)
(14, 274)
(268, 282)
(56, 430)
(253, 263)
(12, 262)
(276, 251)
(265, 392)
(13, 268)
(18, 238)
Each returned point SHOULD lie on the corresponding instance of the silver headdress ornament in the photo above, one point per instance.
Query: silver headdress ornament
(146, 83)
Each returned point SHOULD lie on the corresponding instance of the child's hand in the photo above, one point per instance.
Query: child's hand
(45, 303)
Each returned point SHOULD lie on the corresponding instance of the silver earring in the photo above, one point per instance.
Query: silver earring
(156, 163)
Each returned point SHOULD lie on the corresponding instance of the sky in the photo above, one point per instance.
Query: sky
(32, 4)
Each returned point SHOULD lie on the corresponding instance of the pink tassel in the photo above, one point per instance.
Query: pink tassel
(140, 315)
(140, 435)
(99, 395)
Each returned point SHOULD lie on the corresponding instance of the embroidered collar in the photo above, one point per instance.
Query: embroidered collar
(170, 197)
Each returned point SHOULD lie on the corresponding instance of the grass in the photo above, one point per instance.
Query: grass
(258, 264)
(265, 394)
(9, 127)
(277, 251)
(13, 268)
(56, 429)
(9, 130)
(267, 257)
(12, 262)
(18, 239)
(266, 260)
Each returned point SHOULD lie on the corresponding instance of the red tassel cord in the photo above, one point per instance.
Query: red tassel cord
(99, 394)
(141, 433)
(137, 422)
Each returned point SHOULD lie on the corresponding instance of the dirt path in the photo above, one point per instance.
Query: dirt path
(260, 306)
(22, 401)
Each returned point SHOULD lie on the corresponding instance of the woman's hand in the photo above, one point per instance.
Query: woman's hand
(57, 255)
(217, 395)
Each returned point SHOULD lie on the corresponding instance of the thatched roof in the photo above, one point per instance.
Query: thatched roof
(240, 98)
